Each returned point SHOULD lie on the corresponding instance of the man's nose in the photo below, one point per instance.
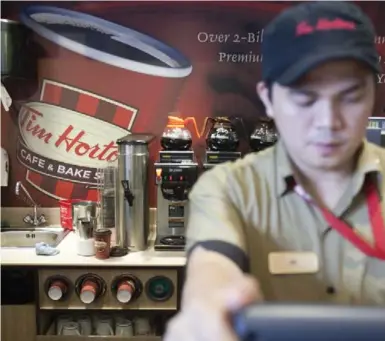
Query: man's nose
(329, 116)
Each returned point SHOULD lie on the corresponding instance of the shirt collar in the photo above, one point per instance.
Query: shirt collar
(368, 162)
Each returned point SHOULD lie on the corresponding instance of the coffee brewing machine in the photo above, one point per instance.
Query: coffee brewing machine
(176, 173)
(222, 141)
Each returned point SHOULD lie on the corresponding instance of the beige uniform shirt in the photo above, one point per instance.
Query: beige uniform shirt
(245, 210)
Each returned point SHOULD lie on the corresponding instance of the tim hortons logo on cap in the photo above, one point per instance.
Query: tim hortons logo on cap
(67, 137)
(323, 24)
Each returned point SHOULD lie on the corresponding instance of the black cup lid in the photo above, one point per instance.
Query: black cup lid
(136, 139)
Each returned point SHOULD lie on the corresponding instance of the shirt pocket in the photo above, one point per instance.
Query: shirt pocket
(299, 288)
(291, 287)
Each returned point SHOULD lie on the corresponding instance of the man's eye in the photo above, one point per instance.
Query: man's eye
(307, 103)
(304, 101)
(352, 98)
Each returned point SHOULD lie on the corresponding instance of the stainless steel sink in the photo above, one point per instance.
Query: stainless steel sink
(28, 237)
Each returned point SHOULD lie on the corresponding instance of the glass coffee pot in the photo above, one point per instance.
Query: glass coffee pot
(222, 135)
(176, 136)
(265, 135)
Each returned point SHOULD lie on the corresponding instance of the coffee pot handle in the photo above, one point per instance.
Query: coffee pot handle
(128, 193)
(192, 120)
(238, 121)
(205, 128)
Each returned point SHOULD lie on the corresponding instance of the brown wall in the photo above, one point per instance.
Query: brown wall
(84, 105)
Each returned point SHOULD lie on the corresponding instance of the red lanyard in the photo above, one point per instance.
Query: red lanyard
(373, 202)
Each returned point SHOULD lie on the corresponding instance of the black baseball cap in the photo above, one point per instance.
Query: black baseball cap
(306, 35)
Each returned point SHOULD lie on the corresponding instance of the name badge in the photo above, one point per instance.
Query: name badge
(293, 263)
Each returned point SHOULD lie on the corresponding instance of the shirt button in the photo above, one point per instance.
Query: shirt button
(330, 290)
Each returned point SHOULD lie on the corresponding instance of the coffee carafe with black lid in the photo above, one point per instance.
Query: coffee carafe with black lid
(265, 135)
(222, 135)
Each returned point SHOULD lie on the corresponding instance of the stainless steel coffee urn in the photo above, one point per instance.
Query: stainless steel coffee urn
(132, 205)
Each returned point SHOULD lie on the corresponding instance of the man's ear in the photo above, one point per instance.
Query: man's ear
(264, 94)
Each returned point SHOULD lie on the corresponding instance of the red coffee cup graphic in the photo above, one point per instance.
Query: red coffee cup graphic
(99, 81)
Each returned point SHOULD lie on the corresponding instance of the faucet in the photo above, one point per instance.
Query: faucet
(33, 219)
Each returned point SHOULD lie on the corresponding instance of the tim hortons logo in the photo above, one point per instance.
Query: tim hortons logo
(324, 24)
(65, 144)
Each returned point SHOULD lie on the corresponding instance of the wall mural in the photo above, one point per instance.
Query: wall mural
(106, 69)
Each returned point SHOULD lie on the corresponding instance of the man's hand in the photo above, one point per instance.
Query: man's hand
(206, 317)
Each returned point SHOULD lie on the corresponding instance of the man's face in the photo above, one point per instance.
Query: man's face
(322, 119)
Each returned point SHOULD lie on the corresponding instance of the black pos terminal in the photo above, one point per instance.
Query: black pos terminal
(298, 322)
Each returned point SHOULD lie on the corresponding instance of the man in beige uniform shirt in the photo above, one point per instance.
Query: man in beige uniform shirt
(276, 214)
